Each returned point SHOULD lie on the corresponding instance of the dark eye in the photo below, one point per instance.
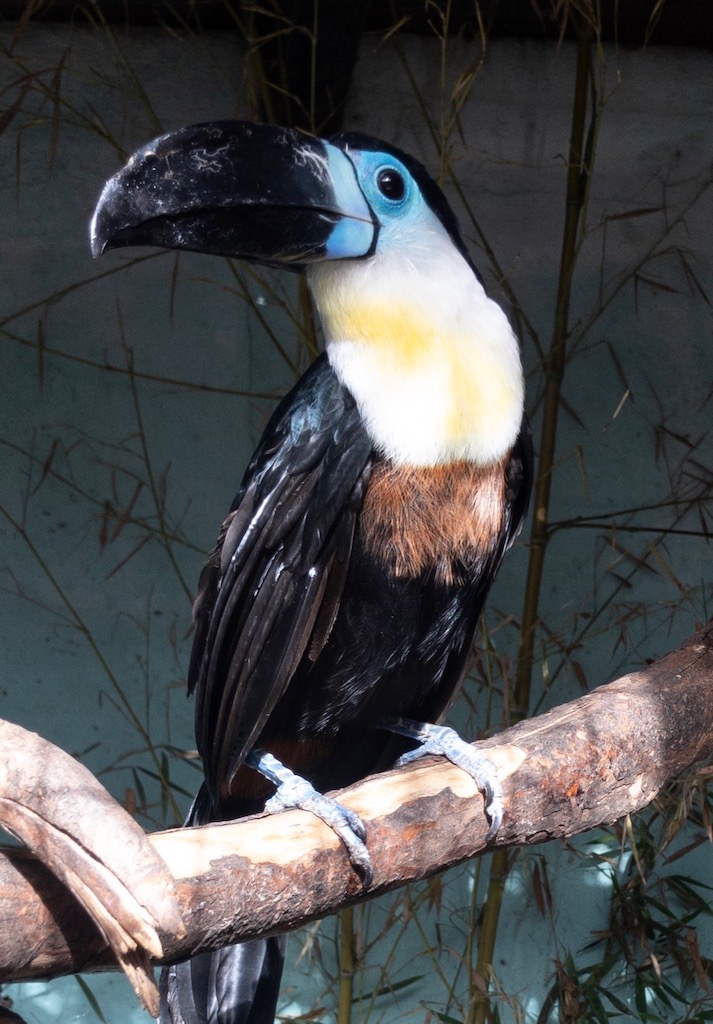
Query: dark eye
(391, 184)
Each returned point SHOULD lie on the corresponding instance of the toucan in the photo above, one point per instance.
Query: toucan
(335, 616)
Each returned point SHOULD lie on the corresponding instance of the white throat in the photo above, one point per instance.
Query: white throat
(432, 362)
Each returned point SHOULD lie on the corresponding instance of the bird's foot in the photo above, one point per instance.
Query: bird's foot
(295, 792)
(439, 739)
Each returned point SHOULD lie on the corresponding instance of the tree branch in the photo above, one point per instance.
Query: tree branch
(584, 764)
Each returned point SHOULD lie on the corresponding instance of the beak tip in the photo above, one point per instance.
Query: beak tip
(101, 229)
(96, 243)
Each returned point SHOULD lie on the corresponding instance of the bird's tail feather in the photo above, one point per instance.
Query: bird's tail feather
(235, 985)
(238, 984)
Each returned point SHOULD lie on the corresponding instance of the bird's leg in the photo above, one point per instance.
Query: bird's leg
(295, 792)
(439, 739)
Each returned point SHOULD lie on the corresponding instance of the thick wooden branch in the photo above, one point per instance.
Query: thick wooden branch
(584, 764)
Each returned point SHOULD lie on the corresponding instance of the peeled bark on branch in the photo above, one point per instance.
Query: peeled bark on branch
(584, 764)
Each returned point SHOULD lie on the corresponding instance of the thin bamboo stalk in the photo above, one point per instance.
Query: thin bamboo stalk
(554, 370)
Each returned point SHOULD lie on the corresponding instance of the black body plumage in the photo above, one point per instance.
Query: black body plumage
(300, 632)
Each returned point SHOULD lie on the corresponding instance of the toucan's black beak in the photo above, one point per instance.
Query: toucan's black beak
(234, 188)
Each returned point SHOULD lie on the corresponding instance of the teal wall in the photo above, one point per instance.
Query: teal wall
(113, 484)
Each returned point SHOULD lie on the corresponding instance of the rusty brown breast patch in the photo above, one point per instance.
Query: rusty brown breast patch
(435, 517)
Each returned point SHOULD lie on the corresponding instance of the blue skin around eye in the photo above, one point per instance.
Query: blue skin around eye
(368, 165)
(361, 203)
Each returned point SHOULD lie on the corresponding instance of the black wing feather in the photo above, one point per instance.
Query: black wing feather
(273, 584)
(519, 477)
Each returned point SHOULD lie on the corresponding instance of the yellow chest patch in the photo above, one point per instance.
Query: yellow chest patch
(470, 389)
(431, 361)
(395, 331)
